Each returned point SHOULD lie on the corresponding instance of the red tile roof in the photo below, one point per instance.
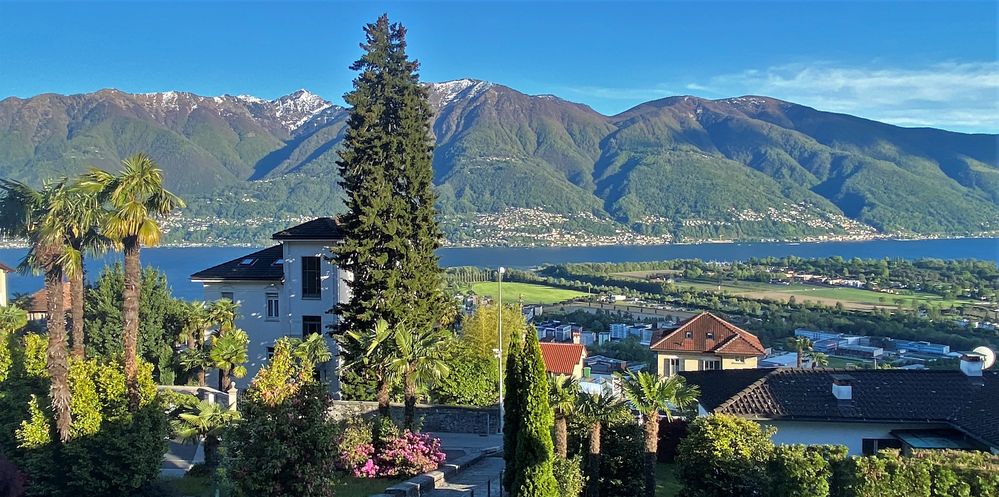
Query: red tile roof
(707, 333)
(39, 300)
(561, 358)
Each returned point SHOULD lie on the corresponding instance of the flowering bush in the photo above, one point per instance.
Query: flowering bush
(411, 454)
(406, 455)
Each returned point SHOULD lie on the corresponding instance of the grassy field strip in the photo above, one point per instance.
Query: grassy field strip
(531, 293)
(850, 297)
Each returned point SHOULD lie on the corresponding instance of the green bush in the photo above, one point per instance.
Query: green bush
(569, 476)
(724, 456)
(622, 459)
(472, 381)
(798, 471)
(113, 451)
(284, 448)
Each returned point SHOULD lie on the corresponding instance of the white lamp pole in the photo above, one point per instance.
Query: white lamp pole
(499, 314)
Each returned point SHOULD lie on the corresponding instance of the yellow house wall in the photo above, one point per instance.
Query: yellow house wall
(692, 362)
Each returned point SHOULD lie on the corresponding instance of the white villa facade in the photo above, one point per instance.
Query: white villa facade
(287, 290)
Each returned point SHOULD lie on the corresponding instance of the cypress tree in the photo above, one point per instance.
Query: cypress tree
(513, 414)
(534, 451)
(386, 173)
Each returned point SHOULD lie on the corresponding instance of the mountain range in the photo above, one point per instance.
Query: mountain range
(512, 168)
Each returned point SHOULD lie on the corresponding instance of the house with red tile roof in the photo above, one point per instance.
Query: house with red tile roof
(705, 342)
(564, 358)
(38, 306)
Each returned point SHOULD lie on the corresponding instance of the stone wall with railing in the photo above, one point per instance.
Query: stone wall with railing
(431, 418)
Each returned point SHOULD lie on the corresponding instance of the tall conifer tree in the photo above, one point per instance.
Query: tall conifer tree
(513, 414)
(534, 451)
(386, 172)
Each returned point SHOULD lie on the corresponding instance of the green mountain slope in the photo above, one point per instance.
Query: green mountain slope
(536, 169)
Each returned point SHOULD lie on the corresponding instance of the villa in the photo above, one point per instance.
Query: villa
(286, 290)
(705, 342)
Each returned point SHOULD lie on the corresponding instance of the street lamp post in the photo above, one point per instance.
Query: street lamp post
(499, 314)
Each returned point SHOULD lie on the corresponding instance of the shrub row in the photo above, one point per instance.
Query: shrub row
(725, 455)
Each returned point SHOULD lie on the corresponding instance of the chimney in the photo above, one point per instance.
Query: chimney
(576, 337)
(842, 388)
(972, 365)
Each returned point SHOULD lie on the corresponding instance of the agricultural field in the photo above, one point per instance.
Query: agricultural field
(851, 298)
(530, 293)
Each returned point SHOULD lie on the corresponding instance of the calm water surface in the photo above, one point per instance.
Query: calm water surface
(180, 263)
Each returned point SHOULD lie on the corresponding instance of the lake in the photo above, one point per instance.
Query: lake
(180, 263)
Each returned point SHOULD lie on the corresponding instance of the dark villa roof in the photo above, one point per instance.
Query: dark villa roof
(323, 228)
(708, 334)
(263, 265)
(895, 395)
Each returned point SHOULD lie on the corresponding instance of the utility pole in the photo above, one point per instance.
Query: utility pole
(499, 314)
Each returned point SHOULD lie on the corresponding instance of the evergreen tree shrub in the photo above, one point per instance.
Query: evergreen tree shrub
(513, 414)
(569, 475)
(797, 471)
(535, 450)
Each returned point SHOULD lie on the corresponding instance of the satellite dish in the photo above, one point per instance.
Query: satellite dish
(990, 357)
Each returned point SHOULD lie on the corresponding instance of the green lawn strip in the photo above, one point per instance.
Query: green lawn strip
(201, 486)
(666, 482)
(844, 294)
(531, 293)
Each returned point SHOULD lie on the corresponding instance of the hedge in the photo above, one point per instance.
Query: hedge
(822, 471)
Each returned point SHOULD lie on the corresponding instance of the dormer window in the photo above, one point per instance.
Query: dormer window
(689, 334)
(710, 335)
(247, 262)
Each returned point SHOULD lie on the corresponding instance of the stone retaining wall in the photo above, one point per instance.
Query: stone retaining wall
(435, 418)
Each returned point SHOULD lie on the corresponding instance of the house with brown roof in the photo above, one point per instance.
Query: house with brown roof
(38, 305)
(564, 358)
(866, 409)
(705, 342)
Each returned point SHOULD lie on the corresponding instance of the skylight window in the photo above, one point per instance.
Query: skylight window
(278, 262)
(247, 262)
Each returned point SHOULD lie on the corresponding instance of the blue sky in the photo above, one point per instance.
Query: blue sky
(915, 63)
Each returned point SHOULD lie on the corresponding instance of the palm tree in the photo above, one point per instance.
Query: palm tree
(135, 198)
(311, 351)
(419, 358)
(373, 355)
(23, 214)
(223, 313)
(650, 395)
(818, 359)
(206, 423)
(196, 321)
(597, 410)
(78, 214)
(562, 394)
(228, 353)
(799, 345)
(12, 318)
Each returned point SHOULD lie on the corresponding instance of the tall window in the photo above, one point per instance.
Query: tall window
(673, 367)
(710, 364)
(310, 325)
(273, 312)
(310, 278)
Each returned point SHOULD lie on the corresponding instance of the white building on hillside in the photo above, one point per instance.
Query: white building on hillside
(284, 290)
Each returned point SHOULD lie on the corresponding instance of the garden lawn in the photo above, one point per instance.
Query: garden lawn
(349, 486)
(531, 293)
(666, 482)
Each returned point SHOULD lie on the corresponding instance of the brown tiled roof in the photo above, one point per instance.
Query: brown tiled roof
(323, 228)
(708, 334)
(896, 395)
(261, 265)
(39, 300)
(561, 358)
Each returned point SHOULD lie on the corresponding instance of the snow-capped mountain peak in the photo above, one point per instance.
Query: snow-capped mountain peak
(449, 90)
(297, 108)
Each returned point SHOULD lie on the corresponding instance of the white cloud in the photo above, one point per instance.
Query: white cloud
(958, 96)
